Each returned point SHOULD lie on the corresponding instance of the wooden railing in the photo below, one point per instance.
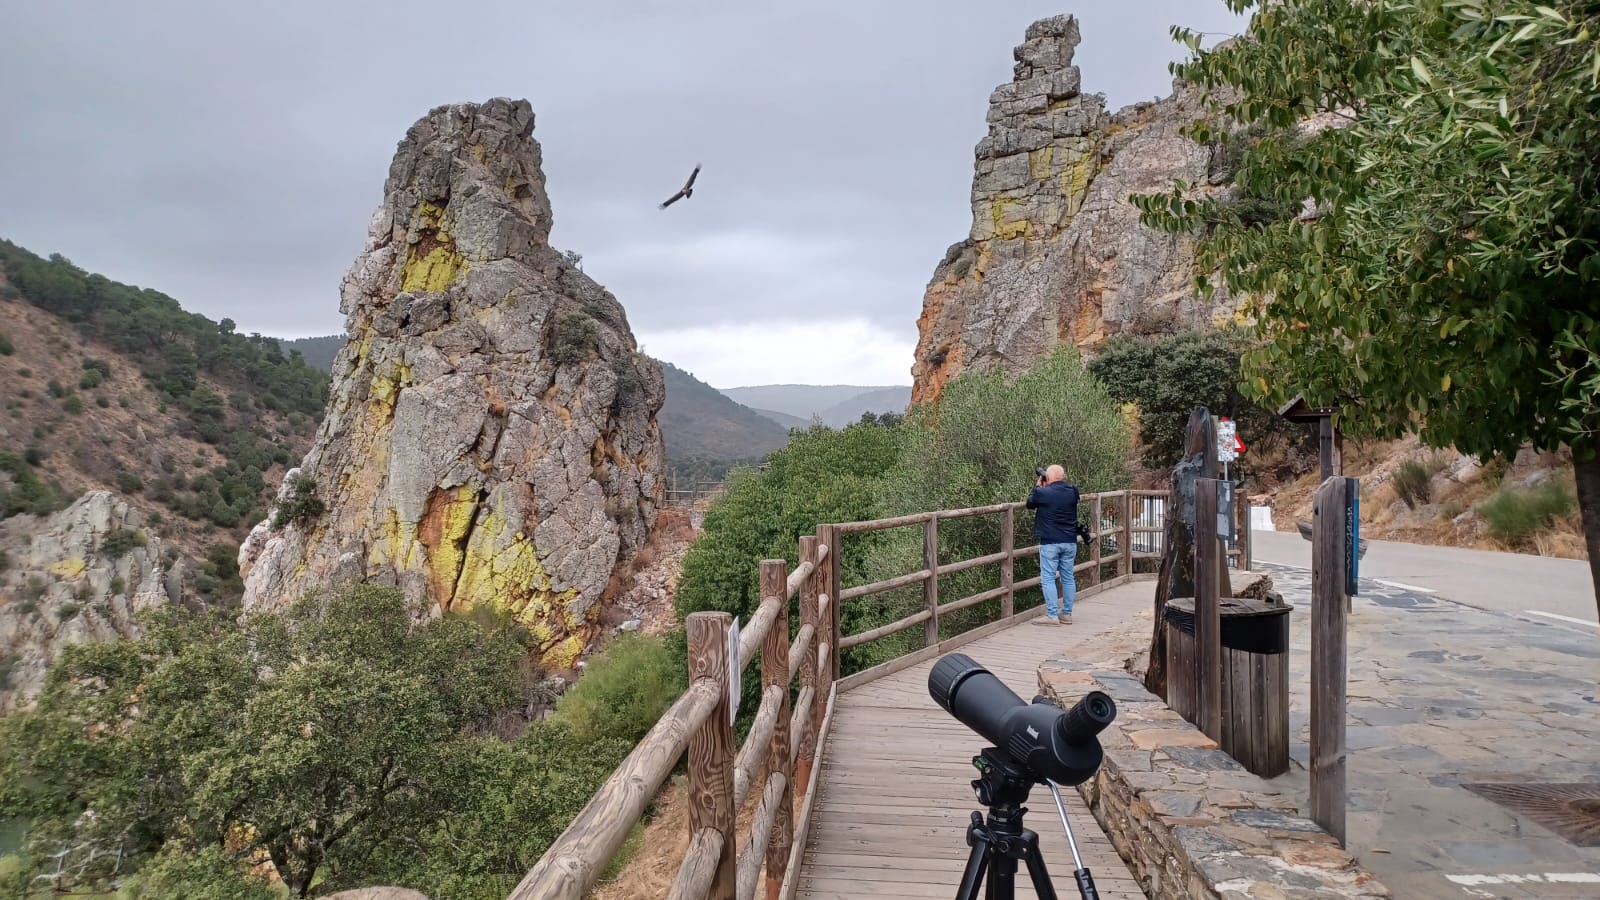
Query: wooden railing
(782, 746)
(779, 751)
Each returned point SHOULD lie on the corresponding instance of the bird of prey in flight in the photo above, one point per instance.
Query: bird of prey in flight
(686, 191)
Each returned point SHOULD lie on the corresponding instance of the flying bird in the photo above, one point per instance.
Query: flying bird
(686, 191)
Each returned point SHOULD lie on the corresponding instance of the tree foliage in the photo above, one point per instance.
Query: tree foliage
(1167, 376)
(338, 739)
(1444, 276)
(1449, 274)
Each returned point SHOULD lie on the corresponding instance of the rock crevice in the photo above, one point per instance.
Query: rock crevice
(480, 368)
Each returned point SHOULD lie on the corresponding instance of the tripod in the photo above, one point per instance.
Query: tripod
(1001, 840)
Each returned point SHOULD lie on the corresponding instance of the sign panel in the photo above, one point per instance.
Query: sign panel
(1225, 519)
(735, 672)
(1227, 439)
(1352, 533)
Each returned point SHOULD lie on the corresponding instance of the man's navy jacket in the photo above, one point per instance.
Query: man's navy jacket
(1056, 521)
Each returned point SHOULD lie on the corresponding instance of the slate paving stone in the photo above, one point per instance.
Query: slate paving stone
(1439, 695)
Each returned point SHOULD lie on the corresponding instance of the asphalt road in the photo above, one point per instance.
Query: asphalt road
(1542, 588)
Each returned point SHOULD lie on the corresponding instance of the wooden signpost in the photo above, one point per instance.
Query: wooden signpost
(1333, 548)
(1208, 605)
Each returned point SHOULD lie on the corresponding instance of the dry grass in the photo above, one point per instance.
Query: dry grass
(654, 867)
(1385, 517)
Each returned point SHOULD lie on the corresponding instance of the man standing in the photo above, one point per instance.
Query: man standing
(1056, 526)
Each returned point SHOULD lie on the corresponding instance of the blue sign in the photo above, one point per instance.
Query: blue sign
(1352, 533)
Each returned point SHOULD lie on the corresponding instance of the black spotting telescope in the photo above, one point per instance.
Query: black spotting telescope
(1040, 737)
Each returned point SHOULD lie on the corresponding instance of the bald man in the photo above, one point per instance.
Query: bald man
(1057, 528)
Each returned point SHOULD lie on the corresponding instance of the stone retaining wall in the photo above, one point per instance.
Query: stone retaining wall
(1189, 820)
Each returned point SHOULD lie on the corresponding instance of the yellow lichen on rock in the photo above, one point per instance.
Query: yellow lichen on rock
(433, 270)
(500, 568)
(68, 568)
(1039, 162)
(1005, 227)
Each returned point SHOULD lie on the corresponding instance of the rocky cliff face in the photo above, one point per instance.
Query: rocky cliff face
(75, 576)
(1056, 253)
(490, 437)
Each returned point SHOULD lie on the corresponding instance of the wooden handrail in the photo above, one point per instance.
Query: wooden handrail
(570, 866)
(783, 745)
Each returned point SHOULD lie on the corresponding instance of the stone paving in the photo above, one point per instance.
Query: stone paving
(1442, 695)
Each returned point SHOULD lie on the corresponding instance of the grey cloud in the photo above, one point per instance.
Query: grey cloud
(231, 154)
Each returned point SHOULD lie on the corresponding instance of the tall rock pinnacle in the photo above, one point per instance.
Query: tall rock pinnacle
(490, 437)
(1056, 253)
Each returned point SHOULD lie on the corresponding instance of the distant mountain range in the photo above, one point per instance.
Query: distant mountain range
(837, 405)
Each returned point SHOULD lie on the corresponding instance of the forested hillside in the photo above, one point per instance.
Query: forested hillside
(111, 386)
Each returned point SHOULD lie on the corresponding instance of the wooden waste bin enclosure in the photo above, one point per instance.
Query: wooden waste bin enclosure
(1255, 678)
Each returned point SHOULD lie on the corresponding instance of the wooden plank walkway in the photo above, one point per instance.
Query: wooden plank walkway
(895, 796)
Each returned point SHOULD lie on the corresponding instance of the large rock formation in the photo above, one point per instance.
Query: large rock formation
(75, 576)
(1056, 253)
(490, 436)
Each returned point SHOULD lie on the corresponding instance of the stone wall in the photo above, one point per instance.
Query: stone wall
(1189, 820)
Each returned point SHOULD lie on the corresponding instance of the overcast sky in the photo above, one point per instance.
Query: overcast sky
(231, 154)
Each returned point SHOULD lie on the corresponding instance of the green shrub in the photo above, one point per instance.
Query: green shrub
(6, 347)
(573, 338)
(33, 456)
(1515, 515)
(119, 542)
(5, 560)
(622, 691)
(102, 401)
(129, 483)
(91, 380)
(1412, 483)
(302, 504)
(73, 404)
(1450, 509)
(24, 373)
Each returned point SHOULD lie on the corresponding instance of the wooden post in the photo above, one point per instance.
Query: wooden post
(1330, 449)
(808, 665)
(829, 535)
(1207, 608)
(711, 748)
(1125, 541)
(775, 671)
(930, 588)
(1008, 546)
(1094, 540)
(1242, 504)
(1328, 657)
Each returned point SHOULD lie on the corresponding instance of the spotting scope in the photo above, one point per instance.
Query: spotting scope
(1051, 744)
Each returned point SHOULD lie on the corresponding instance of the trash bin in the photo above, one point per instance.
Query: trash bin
(1255, 678)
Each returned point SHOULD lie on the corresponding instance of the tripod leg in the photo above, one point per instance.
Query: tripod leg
(1041, 877)
(977, 864)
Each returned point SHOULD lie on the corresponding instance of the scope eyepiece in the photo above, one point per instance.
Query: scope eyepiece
(1051, 743)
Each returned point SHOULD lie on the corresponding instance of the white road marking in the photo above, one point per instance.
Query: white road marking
(1535, 612)
(1548, 877)
(1407, 587)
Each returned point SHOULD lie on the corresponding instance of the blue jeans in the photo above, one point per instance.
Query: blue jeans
(1058, 559)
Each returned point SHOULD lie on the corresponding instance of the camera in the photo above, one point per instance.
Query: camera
(1039, 737)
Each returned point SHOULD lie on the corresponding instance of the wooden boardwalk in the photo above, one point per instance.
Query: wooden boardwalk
(894, 797)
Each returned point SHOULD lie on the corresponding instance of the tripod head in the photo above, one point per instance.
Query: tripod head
(1001, 783)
